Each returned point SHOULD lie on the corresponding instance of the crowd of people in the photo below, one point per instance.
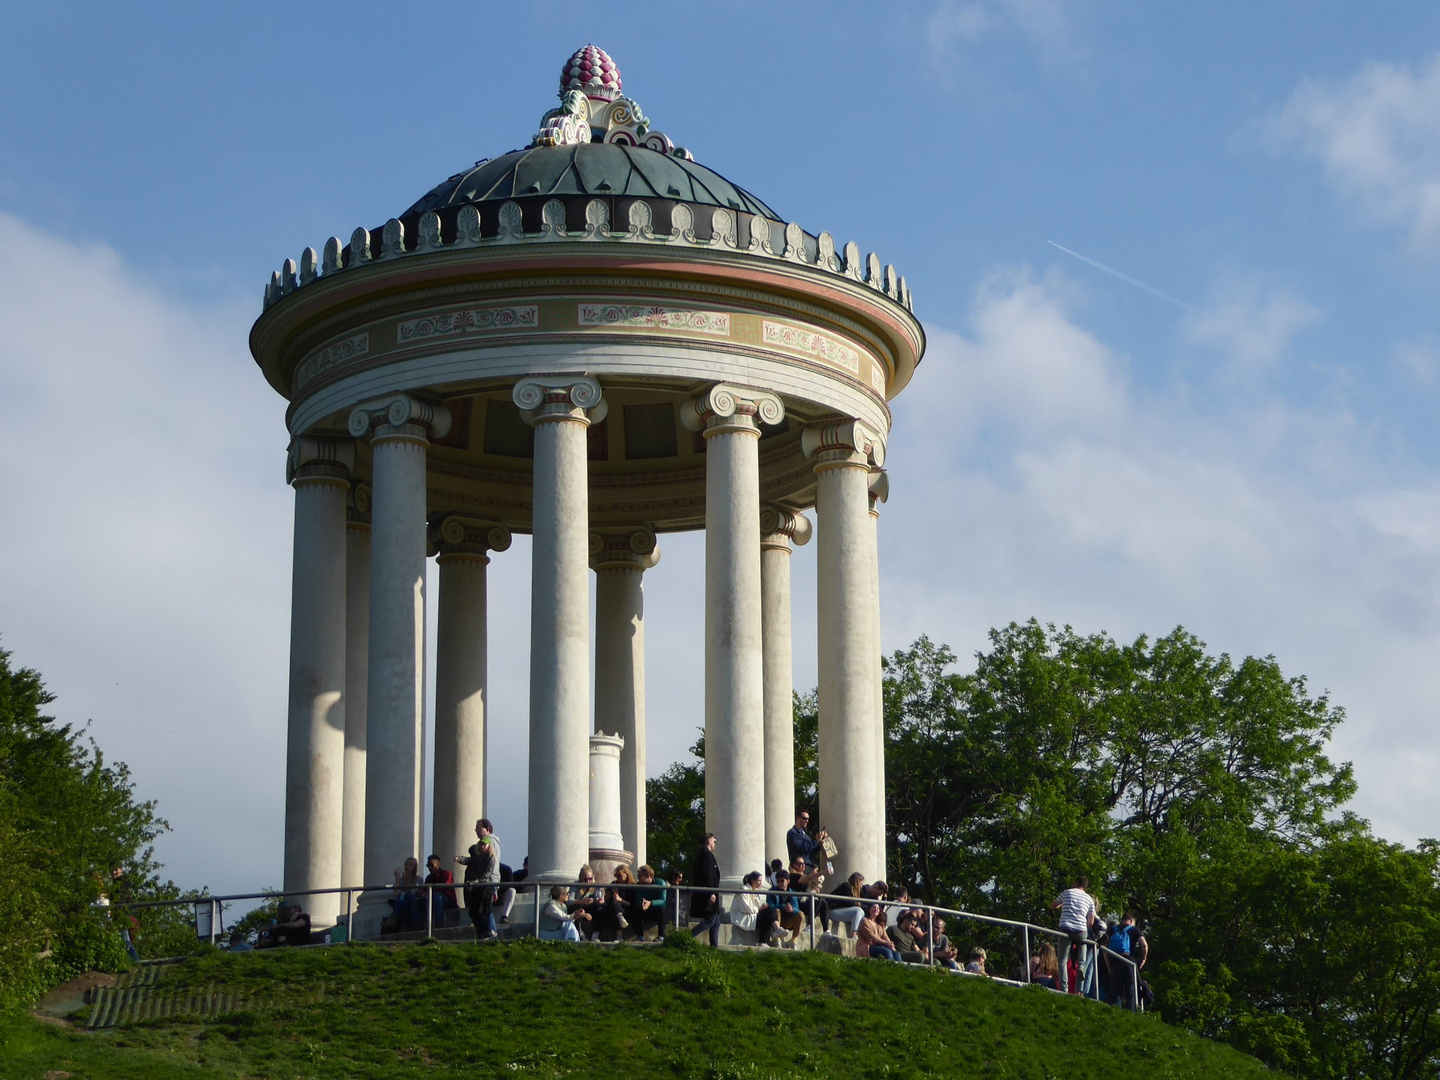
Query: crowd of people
(776, 905)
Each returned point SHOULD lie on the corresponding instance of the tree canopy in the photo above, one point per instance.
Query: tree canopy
(68, 820)
(1191, 789)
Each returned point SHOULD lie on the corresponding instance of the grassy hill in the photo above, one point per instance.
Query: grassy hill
(546, 1009)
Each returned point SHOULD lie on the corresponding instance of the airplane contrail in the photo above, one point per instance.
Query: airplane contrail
(1123, 277)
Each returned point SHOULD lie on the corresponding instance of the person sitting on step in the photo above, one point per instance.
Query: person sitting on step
(782, 908)
(847, 904)
(748, 903)
(872, 940)
(556, 923)
(647, 903)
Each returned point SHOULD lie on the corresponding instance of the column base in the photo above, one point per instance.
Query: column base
(604, 861)
(374, 906)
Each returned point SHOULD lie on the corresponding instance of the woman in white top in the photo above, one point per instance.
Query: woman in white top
(746, 905)
(556, 924)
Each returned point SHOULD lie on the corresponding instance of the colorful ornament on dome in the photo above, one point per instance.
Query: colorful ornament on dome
(592, 109)
(593, 73)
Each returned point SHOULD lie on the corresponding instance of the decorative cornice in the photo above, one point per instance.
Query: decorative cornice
(725, 408)
(842, 444)
(780, 525)
(551, 398)
(627, 549)
(400, 417)
(455, 536)
(760, 238)
(317, 460)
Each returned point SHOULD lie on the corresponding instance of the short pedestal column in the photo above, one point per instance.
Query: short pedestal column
(730, 418)
(620, 560)
(560, 409)
(395, 697)
(607, 846)
(778, 527)
(848, 666)
(315, 746)
(357, 657)
(460, 681)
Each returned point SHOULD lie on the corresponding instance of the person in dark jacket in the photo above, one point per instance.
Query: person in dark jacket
(705, 906)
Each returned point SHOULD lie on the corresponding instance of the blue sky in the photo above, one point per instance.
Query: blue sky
(1256, 460)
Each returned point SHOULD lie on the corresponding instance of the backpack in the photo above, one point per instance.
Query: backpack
(1120, 941)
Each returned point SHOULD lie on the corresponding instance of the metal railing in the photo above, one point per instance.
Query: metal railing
(674, 899)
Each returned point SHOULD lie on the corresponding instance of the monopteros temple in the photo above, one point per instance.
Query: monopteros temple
(594, 340)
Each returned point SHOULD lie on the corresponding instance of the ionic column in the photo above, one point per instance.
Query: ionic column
(560, 408)
(357, 656)
(879, 492)
(778, 526)
(461, 744)
(842, 453)
(619, 561)
(400, 428)
(315, 744)
(734, 657)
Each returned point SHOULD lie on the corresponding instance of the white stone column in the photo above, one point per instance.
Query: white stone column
(730, 417)
(620, 560)
(357, 656)
(400, 427)
(605, 755)
(560, 408)
(461, 744)
(847, 645)
(778, 526)
(315, 744)
(879, 492)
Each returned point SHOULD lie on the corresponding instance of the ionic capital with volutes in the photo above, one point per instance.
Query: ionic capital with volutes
(400, 418)
(554, 398)
(458, 537)
(843, 444)
(879, 490)
(726, 409)
(780, 525)
(319, 460)
(357, 511)
(625, 549)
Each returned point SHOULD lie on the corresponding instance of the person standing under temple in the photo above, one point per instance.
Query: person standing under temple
(798, 843)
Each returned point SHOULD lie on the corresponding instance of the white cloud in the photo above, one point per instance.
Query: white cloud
(1045, 26)
(1130, 512)
(1420, 360)
(1249, 327)
(1378, 137)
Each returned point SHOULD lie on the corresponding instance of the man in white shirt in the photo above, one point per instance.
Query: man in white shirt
(1077, 915)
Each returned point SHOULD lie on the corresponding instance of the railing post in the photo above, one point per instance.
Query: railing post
(930, 932)
(812, 922)
(212, 921)
(1025, 932)
(429, 911)
(1135, 987)
(349, 918)
(537, 911)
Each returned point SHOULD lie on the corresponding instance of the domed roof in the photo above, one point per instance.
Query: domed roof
(600, 169)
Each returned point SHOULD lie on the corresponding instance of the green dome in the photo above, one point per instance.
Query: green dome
(597, 169)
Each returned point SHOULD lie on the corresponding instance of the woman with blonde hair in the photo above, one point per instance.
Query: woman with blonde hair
(848, 905)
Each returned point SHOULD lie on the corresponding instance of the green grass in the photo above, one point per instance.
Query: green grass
(545, 1009)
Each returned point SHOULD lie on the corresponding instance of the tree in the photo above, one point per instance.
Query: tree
(67, 820)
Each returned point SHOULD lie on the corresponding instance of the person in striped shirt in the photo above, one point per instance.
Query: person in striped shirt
(1077, 915)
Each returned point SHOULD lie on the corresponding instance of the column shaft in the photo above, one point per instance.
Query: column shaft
(779, 692)
(734, 654)
(315, 746)
(357, 654)
(848, 664)
(460, 703)
(396, 678)
(620, 688)
(559, 627)
(874, 600)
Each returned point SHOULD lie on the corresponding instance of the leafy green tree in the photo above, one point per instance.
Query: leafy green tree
(67, 820)
(675, 813)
